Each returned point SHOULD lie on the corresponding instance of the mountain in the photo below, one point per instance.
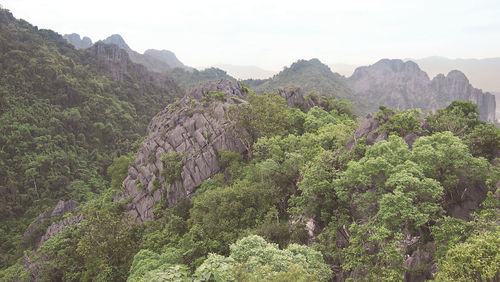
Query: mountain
(482, 73)
(149, 62)
(309, 75)
(246, 72)
(167, 57)
(65, 114)
(165, 61)
(79, 43)
(154, 60)
(404, 85)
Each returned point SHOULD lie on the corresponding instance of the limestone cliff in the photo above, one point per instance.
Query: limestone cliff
(181, 148)
(154, 60)
(79, 43)
(403, 85)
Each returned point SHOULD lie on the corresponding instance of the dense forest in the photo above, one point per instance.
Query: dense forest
(319, 194)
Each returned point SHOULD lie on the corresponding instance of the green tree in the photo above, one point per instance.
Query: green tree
(263, 116)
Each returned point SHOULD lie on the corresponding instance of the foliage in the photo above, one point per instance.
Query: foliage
(253, 259)
(401, 124)
(220, 216)
(68, 128)
(484, 140)
(460, 117)
(62, 121)
(172, 166)
(118, 170)
(263, 116)
(146, 261)
(477, 259)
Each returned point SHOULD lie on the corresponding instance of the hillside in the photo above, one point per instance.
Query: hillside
(64, 117)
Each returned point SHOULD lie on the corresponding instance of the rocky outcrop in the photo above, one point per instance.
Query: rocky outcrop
(79, 43)
(403, 85)
(369, 129)
(62, 208)
(55, 227)
(295, 98)
(117, 40)
(181, 148)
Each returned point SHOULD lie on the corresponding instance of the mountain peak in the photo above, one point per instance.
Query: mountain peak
(167, 57)
(397, 65)
(117, 40)
(308, 63)
(79, 43)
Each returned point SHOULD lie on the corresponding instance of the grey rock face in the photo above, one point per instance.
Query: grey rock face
(117, 40)
(62, 208)
(403, 85)
(420, 266)
(154, 60)
(194, 129)
(75, 40)
(55, 228)
(294, 97)
(116, 63)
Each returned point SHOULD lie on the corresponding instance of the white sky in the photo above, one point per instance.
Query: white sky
(272, 34)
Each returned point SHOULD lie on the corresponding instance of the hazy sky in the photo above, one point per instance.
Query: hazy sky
(272, 34)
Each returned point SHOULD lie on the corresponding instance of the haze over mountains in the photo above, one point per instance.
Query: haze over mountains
(393, 83)
(121, 166)
(482, 73)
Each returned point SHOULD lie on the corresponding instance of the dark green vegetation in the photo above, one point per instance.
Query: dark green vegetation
(297, 205)
(61, 124)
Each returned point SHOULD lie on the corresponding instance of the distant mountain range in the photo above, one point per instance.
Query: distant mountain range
(161, 61)
(404, 85)
(482, 73)
(393, 83)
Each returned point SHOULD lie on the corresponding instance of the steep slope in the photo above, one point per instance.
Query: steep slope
(64, 116)
(79, 43)
(181, 148)
(404, 85)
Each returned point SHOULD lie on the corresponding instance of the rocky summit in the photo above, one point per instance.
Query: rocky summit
(181, 148)
(403, 85)
(79, 43)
